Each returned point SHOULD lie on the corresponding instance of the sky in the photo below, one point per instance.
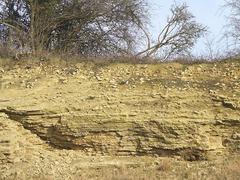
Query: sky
(207, 12)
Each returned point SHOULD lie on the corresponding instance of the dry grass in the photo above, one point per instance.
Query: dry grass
(170, 169)
(167, 169)
(7, 58)
(165, 165)
(6, 52)
(230, 170)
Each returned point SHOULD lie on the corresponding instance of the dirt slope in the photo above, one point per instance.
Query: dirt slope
(59, 121)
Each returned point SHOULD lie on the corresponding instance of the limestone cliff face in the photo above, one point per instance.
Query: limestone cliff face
(170, 109)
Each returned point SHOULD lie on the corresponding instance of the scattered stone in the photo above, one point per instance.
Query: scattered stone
(142, 80)
(98, 78)
(236, 136)
(63, 80)
(91, 97)
(199, 69)
(2, 70)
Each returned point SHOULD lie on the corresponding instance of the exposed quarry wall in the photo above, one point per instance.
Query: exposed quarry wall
(192, 111)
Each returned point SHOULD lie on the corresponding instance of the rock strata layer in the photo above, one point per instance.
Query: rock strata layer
(128, 110)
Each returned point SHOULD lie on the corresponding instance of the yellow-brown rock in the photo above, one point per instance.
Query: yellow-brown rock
(171, 109)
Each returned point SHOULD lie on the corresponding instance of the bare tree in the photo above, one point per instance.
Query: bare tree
(178, 36)
(83, 27)
(211, 49)
(93, 28)
(232, 33)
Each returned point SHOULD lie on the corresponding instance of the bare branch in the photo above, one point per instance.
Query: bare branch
(233, 27)
(178, 35)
